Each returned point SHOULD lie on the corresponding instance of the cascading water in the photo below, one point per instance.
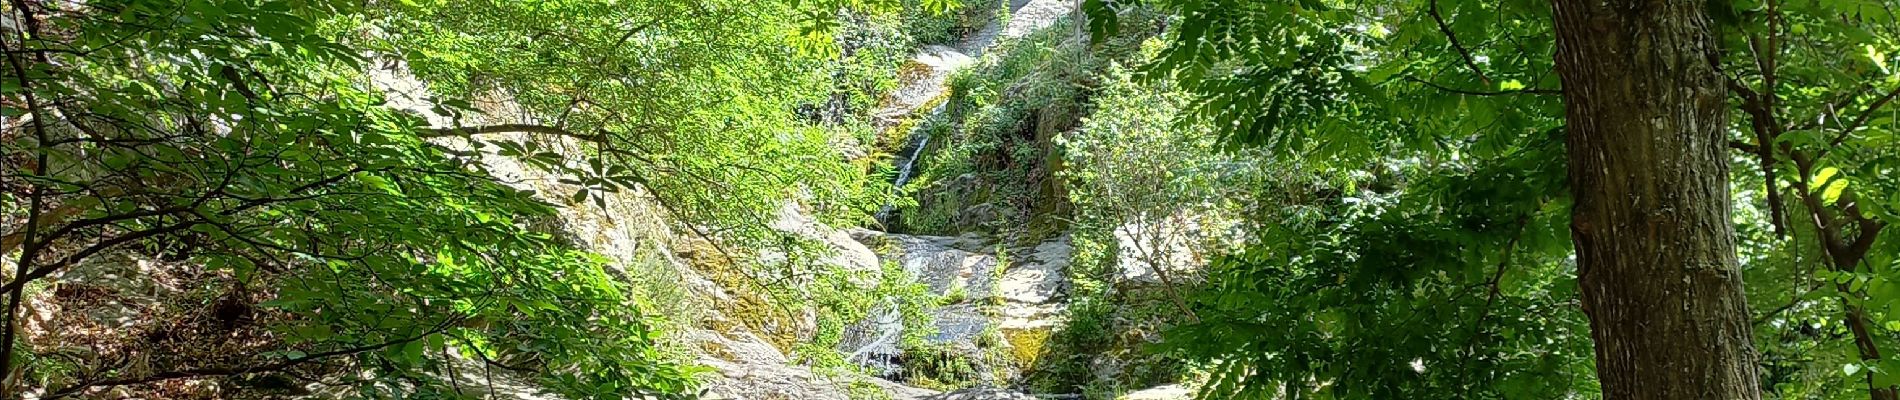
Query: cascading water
(910, 161)
(907, 166)
(949, 262)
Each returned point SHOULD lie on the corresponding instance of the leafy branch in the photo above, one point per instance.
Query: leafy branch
(74, 389)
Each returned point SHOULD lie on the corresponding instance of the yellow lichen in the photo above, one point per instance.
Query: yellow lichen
(1026, 345)
(719, 350)
(749, 307)
(893, 138)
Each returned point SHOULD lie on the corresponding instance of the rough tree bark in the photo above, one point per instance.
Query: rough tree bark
(1644, 104)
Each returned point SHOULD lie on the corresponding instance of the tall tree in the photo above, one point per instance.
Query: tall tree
(1646, 115)
(1644, 119)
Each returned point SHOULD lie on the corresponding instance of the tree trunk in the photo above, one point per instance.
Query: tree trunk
(1646, 113)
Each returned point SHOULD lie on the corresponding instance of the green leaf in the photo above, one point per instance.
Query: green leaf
(1825, 176)
(1834, 189)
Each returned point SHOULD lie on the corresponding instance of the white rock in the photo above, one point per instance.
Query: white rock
(1040, 277)
(845, 251)
(1167, 392)
(981, 394)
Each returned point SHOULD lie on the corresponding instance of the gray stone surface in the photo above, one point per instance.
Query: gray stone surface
(981, 394)
(1029, 293)
(1034, 287)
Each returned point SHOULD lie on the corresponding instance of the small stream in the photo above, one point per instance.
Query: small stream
(907, 166)
(910, 161)
(1018, 295)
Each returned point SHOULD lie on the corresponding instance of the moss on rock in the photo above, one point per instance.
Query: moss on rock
(749, 307)
(1027, 345)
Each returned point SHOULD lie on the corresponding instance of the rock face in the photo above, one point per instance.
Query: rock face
(746, 366)
(1025, 17)
(981, 394)
(990, 297)
(1023, 289)
(845, 251)
(1023, 292)
(1167, 392)
(943, 264)
(924, 80)
(1034, 286)
(751, 369)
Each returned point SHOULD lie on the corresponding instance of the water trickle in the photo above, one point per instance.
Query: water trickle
(910, 161)
(907, 166)
(1026, 16)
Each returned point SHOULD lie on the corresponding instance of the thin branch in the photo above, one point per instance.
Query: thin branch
(1766, 130)
(36, 198)
(1869, 228)
(1525, 91)
(226, 371)
(1497, 276)
(1455, 45)
(505, 128)
(44, 270)
(1828, 111)
(1770, 314)
(1864, 117)
(8, 243)
(20, 280)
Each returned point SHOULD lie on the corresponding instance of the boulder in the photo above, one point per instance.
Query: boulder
(845, 251)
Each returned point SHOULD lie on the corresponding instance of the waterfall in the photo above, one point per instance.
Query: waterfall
(910, 161)
(907, 166)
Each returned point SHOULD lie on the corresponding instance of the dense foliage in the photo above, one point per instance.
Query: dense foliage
(341, 168)
(1327, 199)
(1454, 102)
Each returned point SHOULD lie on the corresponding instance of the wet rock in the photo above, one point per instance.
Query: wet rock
(926, 78)
(946, 265)
(1039, 277)
(749, 369)
(990, 299)
(981, 394)
(942, 262)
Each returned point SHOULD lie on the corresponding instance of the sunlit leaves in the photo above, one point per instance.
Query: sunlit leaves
(248, 125)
